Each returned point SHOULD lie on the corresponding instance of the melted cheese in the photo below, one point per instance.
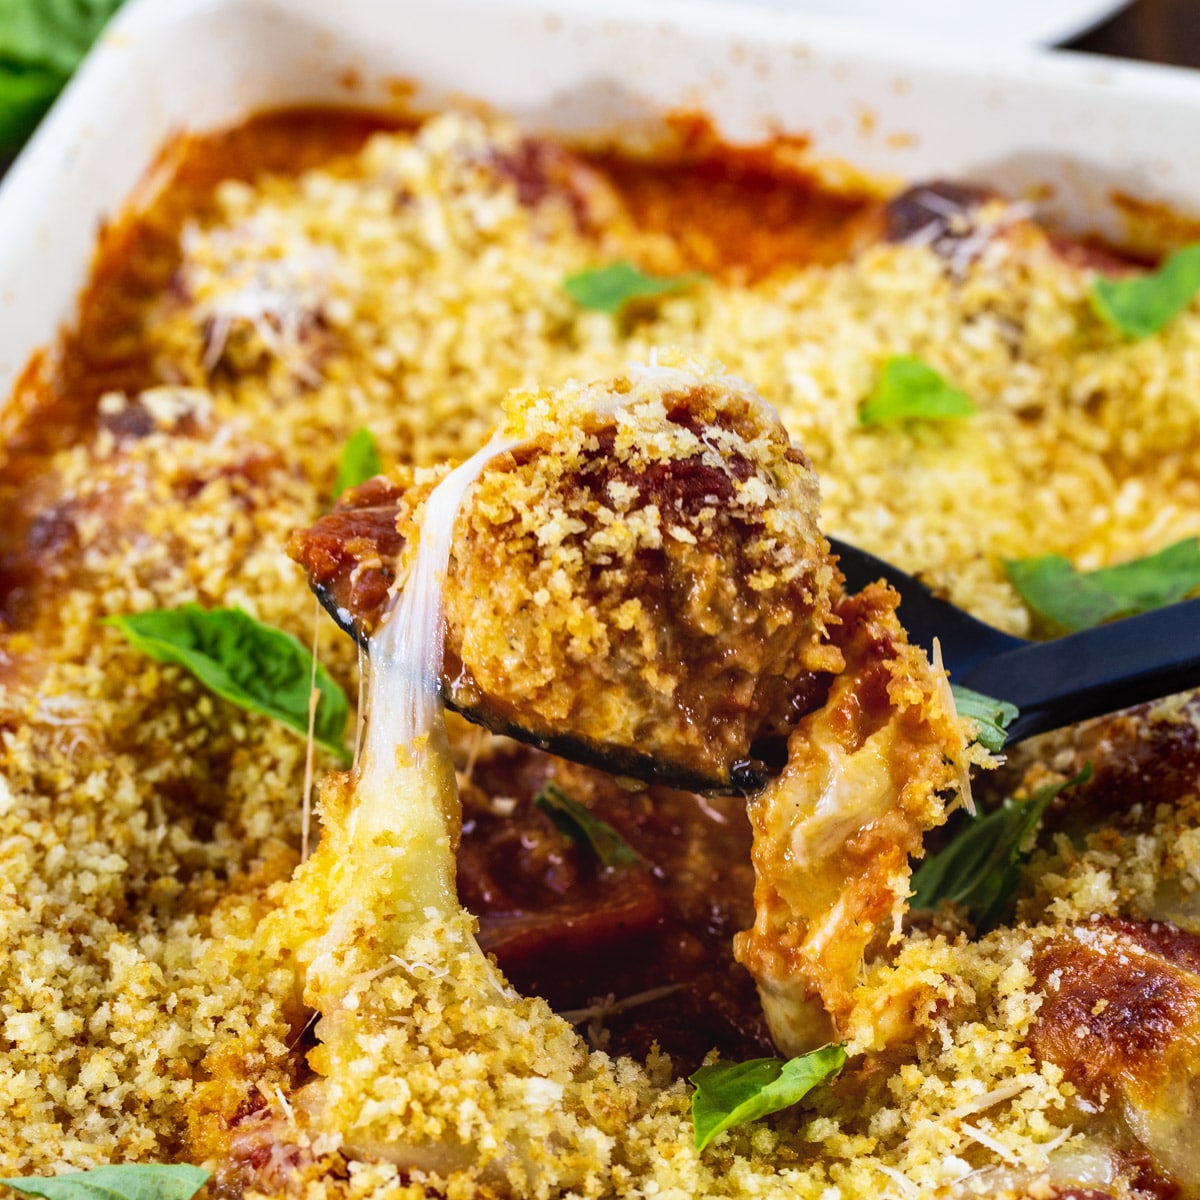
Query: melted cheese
(867, 774)
(394, 905)
(406, 809)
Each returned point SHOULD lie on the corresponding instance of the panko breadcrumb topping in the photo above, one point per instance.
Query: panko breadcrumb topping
(149, 918)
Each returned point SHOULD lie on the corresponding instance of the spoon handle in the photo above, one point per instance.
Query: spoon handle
(965, 640)
(1096, 671)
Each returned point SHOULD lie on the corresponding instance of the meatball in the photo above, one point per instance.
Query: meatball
(639, 580)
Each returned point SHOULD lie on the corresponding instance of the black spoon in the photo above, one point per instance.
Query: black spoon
(1052, 683)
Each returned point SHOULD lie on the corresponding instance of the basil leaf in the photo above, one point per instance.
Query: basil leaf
(1067, 599)
(41, 44)
(250, 664)
(991, 716)
(980, 868)
(609, 289)
(908, 389)
(729, 1094)
(583, 827)
(1140, 305)
(142, 1181)
(358, 462)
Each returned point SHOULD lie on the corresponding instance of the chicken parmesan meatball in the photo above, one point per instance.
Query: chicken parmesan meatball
(637, 579)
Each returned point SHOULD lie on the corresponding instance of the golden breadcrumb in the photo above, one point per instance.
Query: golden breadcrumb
(149, 919)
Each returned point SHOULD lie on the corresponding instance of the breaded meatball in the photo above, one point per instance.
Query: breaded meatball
(639, 580)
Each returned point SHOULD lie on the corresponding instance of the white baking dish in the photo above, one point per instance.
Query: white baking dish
(1073, 127)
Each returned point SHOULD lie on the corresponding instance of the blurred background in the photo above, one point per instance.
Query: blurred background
(1164, 31)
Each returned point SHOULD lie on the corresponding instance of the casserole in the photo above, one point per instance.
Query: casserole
(262, 1147)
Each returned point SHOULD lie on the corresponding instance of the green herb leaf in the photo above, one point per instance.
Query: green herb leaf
(991, 716)
(143, 1181)
(358, 462)
(1140, 305)
(980, 868)
(25, 94)
(41, 44)
(908, 389)
(250, 664)
(1067, 599)
(582, 826)
(729, 1094)
(609, 289)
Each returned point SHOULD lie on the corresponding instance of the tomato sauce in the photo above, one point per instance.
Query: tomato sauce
(639, 954)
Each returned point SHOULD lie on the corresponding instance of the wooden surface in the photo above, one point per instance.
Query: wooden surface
(1163, 31)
